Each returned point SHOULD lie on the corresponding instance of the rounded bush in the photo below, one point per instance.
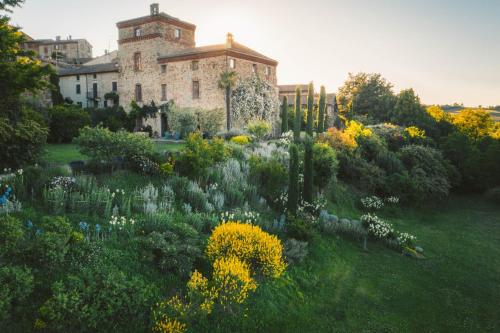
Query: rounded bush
(260, 250)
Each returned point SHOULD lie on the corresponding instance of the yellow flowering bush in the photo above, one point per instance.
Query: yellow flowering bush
(169, 325)
(165, 314)
(261, 251)
(415, 132)
(241, 139)
(232, 281)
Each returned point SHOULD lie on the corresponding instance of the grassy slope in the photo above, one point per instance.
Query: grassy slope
(65, 153)
(341, 288)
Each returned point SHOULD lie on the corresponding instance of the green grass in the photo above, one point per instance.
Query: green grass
(64, 153)
(341, 288)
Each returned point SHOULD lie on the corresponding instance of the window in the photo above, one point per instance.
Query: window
(57, 47)
(46, 50)
(105, 103)
(268, 70)
(79, 104)
(177, 33)
(232, 63)
(163, 92)
(95, 76)
(137, 61)
(78, 77)
(138, 93)
(137, 32)
(114, 86)
(94, 90)
(195, 65)
(78, 89)
(254, 68)
(163, 68)
(196, 89)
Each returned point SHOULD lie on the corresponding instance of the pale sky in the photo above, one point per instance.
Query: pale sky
(447, 50)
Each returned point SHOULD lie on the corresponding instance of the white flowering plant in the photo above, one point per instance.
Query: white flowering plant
(372, 202)
(377, 227)
(244, 216)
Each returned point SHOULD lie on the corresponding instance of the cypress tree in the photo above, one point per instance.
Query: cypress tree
(298, 116)
(284, 115)
(293, 186)
(322, 109)
(308, 169)
(310, 106)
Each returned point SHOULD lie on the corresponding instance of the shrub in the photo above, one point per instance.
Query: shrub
(325, 164)
(21, 143)
(428, 170)
(295, 251)
(260, 250)
(199, 154)
(174, 250)
(211, 121)
(65, 122)
(114, 118)
(259, 129)
(98, 301)
(11, 236)
(293, 183)
(241, 139)
(183, 121)
(299, 229)
(100, 144)
(17, 285)
(270, 175)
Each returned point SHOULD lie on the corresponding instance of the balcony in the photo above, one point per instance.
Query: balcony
(93, 95)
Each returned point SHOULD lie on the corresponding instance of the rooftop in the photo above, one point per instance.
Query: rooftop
(150, 18)
(290, 88)
(230, 48)
(89, 69)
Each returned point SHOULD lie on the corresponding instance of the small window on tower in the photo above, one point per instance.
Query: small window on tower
(194, 65)
(163, 92)
(232, 63)
(177, 33)
(163, 68)
(137, 32)
(137, 61)
(196, 89)
(138, 93)
(254, 68)
(268, 70)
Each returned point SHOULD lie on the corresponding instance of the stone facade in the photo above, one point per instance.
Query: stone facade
(158, 61)
(68, 51)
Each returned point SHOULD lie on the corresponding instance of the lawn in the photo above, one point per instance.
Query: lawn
(65, 153)
(342, 288)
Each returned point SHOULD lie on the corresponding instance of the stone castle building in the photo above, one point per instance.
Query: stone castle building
(71, 51)
(158, 61)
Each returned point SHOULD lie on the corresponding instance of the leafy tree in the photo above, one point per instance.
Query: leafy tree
(408, 111)
(19, 70)
(308, 169)
(474, 123)
(227, 81)
(322, 109)
(284, 115)
(298, 115)
(5, 4)
(65, 122)
(366, 94)
(293, 184)
(310, 109)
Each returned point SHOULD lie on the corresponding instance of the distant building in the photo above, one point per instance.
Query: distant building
(288, 90)
(72, 51)
(158, 61)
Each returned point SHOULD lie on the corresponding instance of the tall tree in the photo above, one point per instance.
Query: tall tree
(310, 109)
(227, 81)
(308, 169)
(293, 184)
(298, 115)
(322, 109)
(19, 70)
(366, 94)
(284, 115)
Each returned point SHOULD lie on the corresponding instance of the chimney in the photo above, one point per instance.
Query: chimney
(69, 37)
(58, 38)
(229, 40)
(154, 9)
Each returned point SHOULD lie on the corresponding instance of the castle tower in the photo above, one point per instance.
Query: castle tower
(140, 42)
